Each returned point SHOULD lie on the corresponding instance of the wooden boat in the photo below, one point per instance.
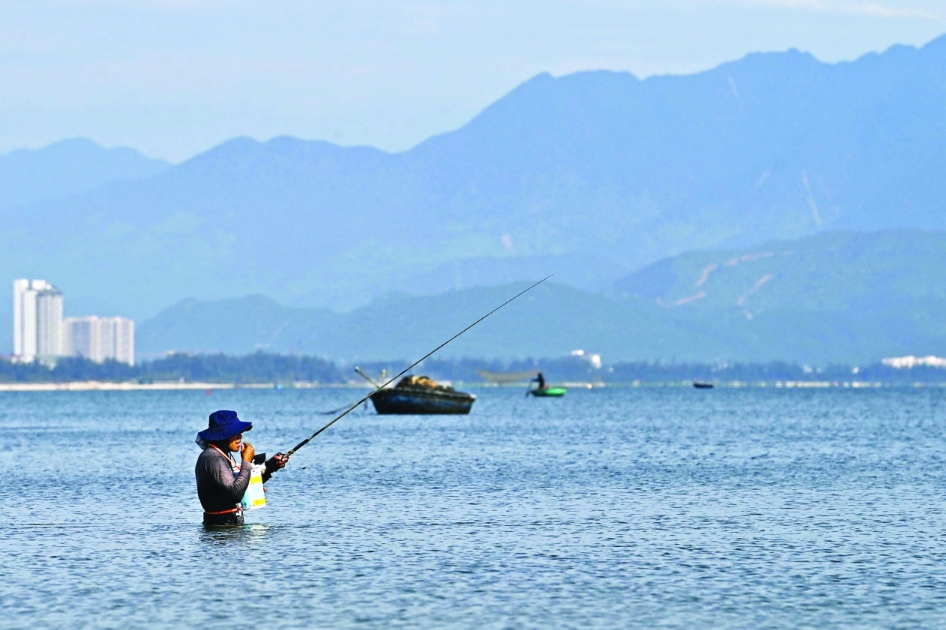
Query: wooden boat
(548, 392)
(702, 385)
(418, 395)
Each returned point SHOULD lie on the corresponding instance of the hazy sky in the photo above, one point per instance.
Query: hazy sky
(175, 77)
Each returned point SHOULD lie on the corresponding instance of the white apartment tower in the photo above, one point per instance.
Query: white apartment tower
(37, 320)
(124, 340)
(100, 338)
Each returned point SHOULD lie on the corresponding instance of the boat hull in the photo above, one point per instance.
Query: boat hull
(421, 401)
(548, 392)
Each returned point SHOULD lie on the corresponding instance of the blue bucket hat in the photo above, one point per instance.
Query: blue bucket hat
(224, 424)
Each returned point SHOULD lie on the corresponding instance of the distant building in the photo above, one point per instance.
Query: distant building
(37, 320)
(911, 362)
(39, 330)
(100, 338)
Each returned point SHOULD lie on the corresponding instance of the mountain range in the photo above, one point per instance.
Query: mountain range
(838, 297)
(592, 176)
(696, 217)
(68, 167)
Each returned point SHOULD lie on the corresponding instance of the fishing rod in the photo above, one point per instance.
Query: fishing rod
(367, 378)
(409, 368)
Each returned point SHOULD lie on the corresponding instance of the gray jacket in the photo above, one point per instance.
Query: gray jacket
(217, 487)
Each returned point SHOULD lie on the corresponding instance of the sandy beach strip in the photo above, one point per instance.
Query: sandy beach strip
(84, 386)
(92, 386)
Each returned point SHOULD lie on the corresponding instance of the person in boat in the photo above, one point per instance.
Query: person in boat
(540, 380)
(221, 482)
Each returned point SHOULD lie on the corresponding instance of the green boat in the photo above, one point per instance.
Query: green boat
(549, 392)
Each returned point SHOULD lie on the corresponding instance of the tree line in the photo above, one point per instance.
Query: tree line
(213, 368)
(264, 367)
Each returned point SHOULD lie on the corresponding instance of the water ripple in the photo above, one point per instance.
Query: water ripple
(651, 508)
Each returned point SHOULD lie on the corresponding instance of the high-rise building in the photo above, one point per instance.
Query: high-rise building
(124, 340)
(49, 322)
(37, 320)
(81, 338)
(100, 338)
(20, 287)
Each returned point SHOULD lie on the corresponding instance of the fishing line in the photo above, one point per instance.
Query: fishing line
(409, 368)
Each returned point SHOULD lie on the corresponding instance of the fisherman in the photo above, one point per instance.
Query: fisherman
(540, 380)
(221, 482)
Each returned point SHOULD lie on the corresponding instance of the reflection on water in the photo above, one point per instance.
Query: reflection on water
(612, 508)
(240, 535)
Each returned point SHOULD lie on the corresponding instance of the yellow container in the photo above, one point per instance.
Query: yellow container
(254, 497)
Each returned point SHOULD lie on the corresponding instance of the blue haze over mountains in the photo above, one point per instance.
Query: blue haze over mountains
(595, 176)
(67, 167)
(837, 297)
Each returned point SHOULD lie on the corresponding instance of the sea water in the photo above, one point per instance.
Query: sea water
(610, 508)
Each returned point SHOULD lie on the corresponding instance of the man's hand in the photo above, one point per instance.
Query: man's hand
(247, 452)
(276, 462)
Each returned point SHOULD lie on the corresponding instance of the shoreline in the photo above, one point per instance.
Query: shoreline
(88, 386)
(93, 386)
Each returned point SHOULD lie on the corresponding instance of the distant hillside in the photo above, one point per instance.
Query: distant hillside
(855, 274)
(550, 321)
(836, 297)
(68, 167)
(839, 296)
(591, 175)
